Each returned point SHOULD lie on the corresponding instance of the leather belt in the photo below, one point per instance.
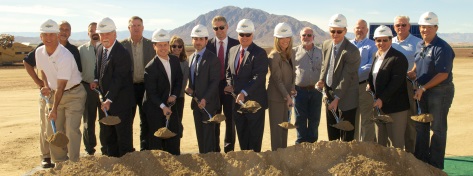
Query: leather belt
(73, 87)
(364, 81)
(309, 87)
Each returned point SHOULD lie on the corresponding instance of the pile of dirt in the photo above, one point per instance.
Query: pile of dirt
(321, 158)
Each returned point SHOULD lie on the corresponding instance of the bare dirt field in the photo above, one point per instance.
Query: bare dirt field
(19, 146)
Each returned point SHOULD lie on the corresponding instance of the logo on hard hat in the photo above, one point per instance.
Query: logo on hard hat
(198, 30)
(382, 30)
(48, 25)
(337, 20)
(283, 30)
(162, 35)
(244, 26)
(103, 25)
(427, 18)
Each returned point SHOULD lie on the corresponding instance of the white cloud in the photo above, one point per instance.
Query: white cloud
(36, 10)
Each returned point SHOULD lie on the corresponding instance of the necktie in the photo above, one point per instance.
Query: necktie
(222, 59)
(331, 67)
(104, 60)
(242, 54)
(194, 66)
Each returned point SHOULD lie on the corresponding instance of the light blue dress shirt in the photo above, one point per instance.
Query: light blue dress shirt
(408, 47)
(367, 49)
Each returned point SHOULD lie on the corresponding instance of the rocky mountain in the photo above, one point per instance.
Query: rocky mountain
(264, 25)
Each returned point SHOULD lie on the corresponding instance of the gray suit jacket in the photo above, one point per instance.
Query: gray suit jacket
(207, 79)
(281, 80)
(148, 50)
(345, 76)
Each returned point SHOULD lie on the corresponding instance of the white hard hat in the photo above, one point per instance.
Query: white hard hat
(245, 26)
(282, 30)
(428, 18)
(337, 20)
(106, 25)
(199, 31)
(382, 31)
(160, 36)
(49, 26)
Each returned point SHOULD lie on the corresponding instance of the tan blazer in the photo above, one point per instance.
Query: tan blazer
(345, 76)
(281, 80)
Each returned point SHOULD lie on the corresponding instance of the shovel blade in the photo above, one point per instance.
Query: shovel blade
(110, 120)
(382, 119)
(58, 139)
(344, 125)
(218, 118)
(424, 118)
(164, 133)
(287, 125)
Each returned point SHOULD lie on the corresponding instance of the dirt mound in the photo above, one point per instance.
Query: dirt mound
(321, 158)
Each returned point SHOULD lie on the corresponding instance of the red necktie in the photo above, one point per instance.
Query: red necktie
(222, 59)
(242, 55)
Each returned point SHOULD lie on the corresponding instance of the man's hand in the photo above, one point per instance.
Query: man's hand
(167, 111)
(189, 91)
(368, 88)
(46, 91)
(106, 105)
(171, 100)
(378, 103)
(320, 85)
(412, 75)
(418, 94)
(333, 105)
(202, 103)
(228, 89)
(240, 97)
(53, 114)
(93, 85)
(289, 102)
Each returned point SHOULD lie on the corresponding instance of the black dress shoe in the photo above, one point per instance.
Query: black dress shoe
(46, 163)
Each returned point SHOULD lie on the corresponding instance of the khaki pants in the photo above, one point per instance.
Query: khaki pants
(43, 143)
(364, 126)
(394, 131)
(410, 136)
(69, 116)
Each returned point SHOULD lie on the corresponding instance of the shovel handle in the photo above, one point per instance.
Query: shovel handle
(197, 101)
(418, 108)
(53, 125)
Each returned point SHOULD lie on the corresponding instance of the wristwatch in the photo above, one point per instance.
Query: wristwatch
(423, 88)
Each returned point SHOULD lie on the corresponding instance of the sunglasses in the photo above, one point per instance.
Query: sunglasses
(176, 46)
(245, 34)
(337, 31)
(308, 35)
(399, 25)
(382, 40)
(220, 27)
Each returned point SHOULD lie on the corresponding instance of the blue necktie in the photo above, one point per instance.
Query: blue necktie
(104, 60)
(331, 67)
(194, 67)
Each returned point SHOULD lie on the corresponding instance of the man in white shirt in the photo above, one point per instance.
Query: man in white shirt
(61, 78)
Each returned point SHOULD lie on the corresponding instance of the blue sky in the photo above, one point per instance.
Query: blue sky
(27, 15)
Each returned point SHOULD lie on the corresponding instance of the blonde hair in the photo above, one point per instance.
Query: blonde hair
(277, 49)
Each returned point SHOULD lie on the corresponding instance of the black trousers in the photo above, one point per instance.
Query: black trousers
(250, 128)
(227, 102)
(139, 89)
(117, 139)
(337, 134)
(89, 117)
(205, 131)
(158, 120)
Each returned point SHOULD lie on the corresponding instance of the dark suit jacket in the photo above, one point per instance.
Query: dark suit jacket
(391, 82)
(345, 73)
(252, 74)
(206, 80)
(148, 50)
(158, 88)
(116, 83)
(212, 45)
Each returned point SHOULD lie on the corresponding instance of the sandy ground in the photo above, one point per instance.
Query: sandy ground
(19, 126)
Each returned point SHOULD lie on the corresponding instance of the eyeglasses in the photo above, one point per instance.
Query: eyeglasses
(219, 27)
(176, 46)
(308, 35)
(382, 40)
(337, 31)
(399, 25)
(245, 34)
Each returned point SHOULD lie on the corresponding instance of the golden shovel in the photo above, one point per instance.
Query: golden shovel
(108, 119)
(378, 117)
(341, 124)
(215, 119)
(288, 125)
(57, 139)
(164, 132)
(249, 106)
(422, 117)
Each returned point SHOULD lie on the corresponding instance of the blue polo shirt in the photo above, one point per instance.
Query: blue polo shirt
(367, 49)
(408, 47)
(437, 57)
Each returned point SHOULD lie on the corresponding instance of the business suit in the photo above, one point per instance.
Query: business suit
(391, 89)
(148, 53)
(205, 86)
(158, 90)
(281, 82)
(344, 84)
(226, 100)
(251, 78)
(116, 84)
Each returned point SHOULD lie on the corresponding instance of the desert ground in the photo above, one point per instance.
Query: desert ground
(19, 127)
